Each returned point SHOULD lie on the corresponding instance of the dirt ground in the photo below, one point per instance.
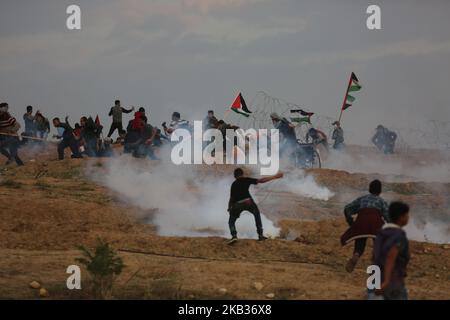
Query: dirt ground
(49, 207)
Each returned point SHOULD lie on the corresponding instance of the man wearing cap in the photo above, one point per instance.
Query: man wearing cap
(338, 136)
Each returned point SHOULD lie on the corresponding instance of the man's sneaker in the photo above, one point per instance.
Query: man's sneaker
(351, 264)
(232, 240)
(262, 238)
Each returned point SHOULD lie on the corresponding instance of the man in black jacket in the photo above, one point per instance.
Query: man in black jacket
(241, 200)
(68, 140)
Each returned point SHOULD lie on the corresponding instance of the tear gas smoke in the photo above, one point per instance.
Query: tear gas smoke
(374, 162)
(430, 231)
(193, 202)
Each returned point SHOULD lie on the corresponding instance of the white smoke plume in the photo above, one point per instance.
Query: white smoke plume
(412, 169)
(429, 231)
(189, 201)
(304, 185)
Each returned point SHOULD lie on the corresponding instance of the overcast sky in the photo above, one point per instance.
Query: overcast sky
(194, 55)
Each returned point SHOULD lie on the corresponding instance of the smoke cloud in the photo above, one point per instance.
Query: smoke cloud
(192, 200)
(430, 231)
(404, 167)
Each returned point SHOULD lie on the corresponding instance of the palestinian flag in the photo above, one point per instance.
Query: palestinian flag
(352, 87)
(97, 120)
(239, 106)
(298, 115)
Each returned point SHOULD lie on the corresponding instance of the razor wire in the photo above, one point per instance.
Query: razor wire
(429, 134)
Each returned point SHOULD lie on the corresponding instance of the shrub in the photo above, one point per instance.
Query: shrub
(104, 266)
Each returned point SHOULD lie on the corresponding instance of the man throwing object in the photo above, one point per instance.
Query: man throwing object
(241, 200)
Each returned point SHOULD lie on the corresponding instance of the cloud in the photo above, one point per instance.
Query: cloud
(400, 48)
(240, 32)
(206, 6)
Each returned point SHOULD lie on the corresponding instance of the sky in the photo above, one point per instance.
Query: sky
(194, 55)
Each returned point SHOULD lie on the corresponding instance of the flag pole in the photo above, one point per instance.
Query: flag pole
(345, 97)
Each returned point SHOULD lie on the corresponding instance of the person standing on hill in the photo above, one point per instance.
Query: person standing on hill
(241, 200)
(372, 212)
(116, 114)
(338, 136)
(28, 118)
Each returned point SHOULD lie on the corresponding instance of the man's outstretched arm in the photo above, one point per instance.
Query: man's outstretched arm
(127, 110)
(270, 178)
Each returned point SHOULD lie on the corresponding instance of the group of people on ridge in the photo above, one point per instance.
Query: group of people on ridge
(141, 139)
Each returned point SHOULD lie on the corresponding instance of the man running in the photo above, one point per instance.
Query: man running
(241, 200)
(370, 209)
(116, 113)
